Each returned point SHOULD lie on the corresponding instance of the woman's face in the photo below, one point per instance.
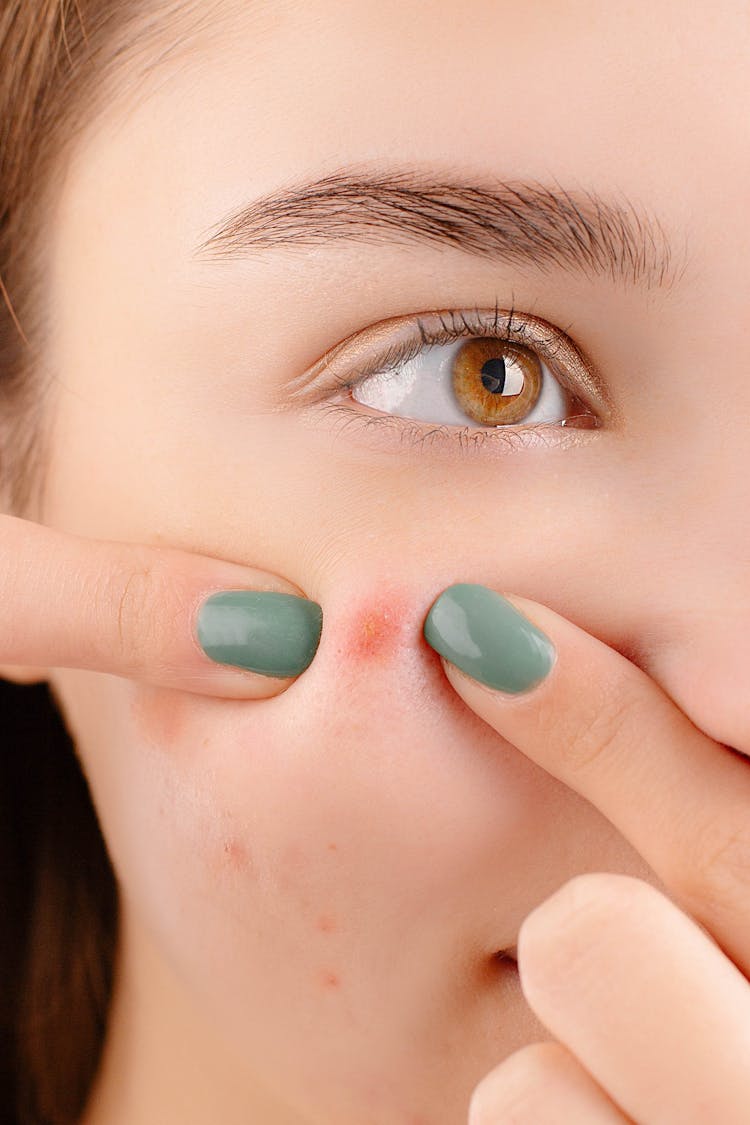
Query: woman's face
(314, 885)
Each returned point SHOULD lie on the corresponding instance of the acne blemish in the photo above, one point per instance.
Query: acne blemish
(236, 855)
(329, 979)
(326, 923)
(375, 627)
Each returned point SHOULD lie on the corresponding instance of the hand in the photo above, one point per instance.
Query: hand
(133, 610)
(650, 1005)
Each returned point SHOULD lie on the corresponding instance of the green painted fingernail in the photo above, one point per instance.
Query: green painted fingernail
(259, 630)
(485, 636)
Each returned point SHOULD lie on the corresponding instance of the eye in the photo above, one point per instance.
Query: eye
(514, 377)
(486, 379)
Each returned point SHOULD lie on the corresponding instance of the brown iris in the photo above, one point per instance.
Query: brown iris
(495, 381)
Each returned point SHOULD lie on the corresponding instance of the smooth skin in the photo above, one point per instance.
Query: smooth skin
(315, 886)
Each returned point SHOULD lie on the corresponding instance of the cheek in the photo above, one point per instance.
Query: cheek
(237, 876)
(288, 855)
(159, 715)
(212, 783)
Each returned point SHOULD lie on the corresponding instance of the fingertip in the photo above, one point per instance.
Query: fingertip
(483, 1105)
(266, 635)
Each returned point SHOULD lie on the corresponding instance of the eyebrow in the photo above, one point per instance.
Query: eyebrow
(526, 223)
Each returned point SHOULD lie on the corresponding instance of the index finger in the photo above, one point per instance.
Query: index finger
(149, 613)
(603, 727)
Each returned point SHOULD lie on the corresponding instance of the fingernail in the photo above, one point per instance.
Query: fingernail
(485, 636)
(262, 631)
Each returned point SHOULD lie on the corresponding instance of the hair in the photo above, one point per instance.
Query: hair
(61, 61)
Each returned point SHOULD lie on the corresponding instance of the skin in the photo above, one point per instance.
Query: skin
(314, 884)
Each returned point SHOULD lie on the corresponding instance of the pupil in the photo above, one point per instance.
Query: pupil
(493, 375)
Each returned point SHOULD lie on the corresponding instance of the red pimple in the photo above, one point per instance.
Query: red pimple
(236, 855)
(373, 630)
(329, 979)
(326, 924)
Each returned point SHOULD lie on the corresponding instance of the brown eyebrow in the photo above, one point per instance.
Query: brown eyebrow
(521, 222)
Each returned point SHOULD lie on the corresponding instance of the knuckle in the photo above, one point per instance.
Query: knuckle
(716, 872)
(139, 595)
(607, 723)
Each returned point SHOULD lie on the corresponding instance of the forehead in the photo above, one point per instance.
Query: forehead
(238, 100)
(261, 90)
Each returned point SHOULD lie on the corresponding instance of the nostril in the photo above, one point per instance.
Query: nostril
(510, 953)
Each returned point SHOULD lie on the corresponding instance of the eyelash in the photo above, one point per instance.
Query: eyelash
(466, 438)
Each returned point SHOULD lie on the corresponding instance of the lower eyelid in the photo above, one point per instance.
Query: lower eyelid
(397, 431)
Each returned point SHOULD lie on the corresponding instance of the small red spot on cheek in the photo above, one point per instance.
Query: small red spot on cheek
(374, 628)
(327, 924)
(329, 979)
(229, 857)
(159, 714)
(236, 855)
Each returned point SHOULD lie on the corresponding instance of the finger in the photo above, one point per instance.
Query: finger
(647, 1003)
(542, 1084)
(607, 730)
(149, 613)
